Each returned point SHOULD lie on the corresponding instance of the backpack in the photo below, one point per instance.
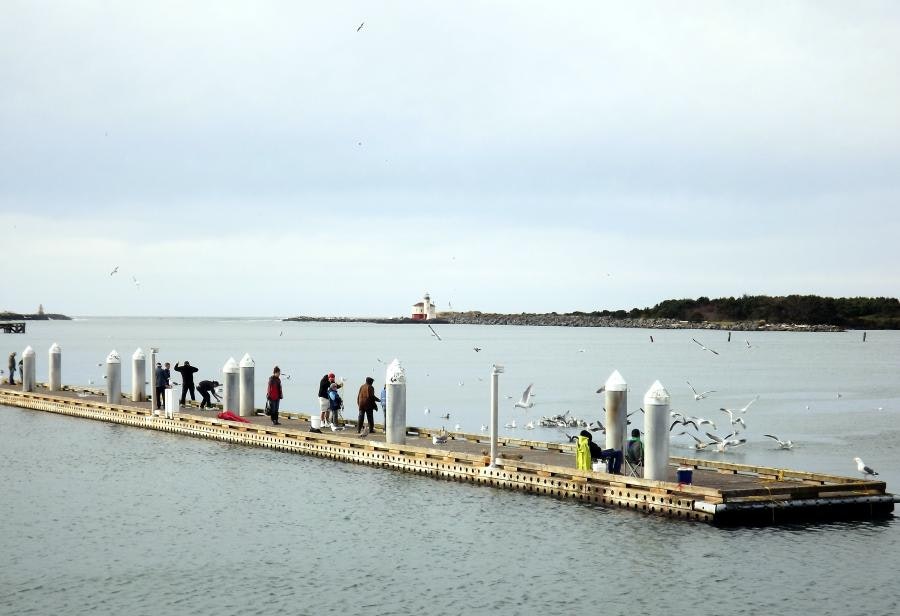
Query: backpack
(335, 402)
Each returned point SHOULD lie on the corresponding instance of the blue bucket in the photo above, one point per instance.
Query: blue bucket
(685, 475)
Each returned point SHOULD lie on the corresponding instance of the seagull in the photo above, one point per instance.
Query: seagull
(530, 425)
(749, 346)
(684, 422)
(115, 269)
(361, 26)
(457, 428)
(281, 333)
(651, 338)
(739, 420)
(483, 428)
(722, 444)
(782, 444)
(365, 432)
(744, 409)
(703, 347)
(445, 416)
(700, 445)
(434, 333)
(702, 394)
(511, 424)
(596, 426)
(572, 438)
(427, 410)
(136, 282)
(581, 350)
(602, 389)
(476, 349)
(525, 402)
(862, 468)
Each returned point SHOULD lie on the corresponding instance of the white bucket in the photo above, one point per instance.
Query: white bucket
(599, 465)
(315, 422)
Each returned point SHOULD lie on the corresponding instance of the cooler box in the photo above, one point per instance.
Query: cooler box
(685, 475)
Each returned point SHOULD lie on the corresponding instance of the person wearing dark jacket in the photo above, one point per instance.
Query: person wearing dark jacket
(206, 388)
(324, 398)
(187, 379)
(161, 381)
(12, 368)
(613, 457)
(367, 403)
(274, 394)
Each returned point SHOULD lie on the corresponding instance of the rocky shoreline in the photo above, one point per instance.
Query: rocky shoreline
(576, 320)
(15, 316)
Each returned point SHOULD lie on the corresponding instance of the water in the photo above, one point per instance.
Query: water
(105, 519)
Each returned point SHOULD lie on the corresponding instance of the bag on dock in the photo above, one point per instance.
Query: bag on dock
(268, 410)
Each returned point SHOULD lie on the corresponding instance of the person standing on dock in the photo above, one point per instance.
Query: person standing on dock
(335, 403)
(12, 368)
(187, 380)
(161, 382)
(367, 403)
(206, 388)
(324, 399)
(274, 394)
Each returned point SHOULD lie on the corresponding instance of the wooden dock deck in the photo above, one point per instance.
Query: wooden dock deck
(721, 492)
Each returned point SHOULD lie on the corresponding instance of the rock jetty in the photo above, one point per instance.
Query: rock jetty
(553, 319)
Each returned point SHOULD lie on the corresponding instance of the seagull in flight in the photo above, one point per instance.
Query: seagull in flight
(596, 426)
(136, 282)
(704, 347)
(602, 389)
(722, 444)
(115, 269)
(434, 333)
(782, 444)
(739, 420)
(483, 427)
(744, 409)
(476, 349)
(862, 468)
(361, 26)
(701, 395)
(749, 346)
(445, 416)
(525, 402)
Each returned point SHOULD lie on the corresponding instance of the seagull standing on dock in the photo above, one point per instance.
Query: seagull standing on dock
(704, 347)
(525, 402)
(701, 395)
(862, 468)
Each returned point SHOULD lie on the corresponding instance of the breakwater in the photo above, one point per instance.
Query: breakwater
(553, 319)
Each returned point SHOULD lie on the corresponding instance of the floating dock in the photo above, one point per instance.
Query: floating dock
(721, 493)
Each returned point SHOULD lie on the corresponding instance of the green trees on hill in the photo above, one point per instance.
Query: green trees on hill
(853, 312)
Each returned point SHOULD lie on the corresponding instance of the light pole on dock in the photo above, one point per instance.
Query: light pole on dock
(496, 371)
(656, 432)
(154, 396)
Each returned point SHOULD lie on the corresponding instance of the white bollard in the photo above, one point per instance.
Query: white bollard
(656, 433)
(231, 393)
(54, 380)
(616, 411)
(395, 409)
(171, 402)
(27, 375)
(248, 370)
(138, 375)
(113, 378)
(496, 371)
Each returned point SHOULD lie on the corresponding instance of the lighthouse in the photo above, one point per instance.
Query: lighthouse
(424, 310)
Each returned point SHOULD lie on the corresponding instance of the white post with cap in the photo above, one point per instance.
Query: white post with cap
(113, 378)
(54, 377)
(231, 392)
(496, 371)
(656, 432)
(395, 407)
(27, 375)
(616, 398)
(138, 375)
(248, 372)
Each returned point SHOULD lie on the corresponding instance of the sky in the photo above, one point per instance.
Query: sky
(271, 158)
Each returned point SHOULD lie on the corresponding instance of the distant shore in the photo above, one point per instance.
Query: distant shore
(48, 316)
(575, 320)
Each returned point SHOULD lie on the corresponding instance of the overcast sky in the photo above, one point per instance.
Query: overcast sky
(265, 158)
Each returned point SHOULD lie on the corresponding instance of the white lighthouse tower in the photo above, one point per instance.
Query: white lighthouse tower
(424, 310)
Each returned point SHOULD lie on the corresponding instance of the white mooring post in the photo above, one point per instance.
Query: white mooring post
(138, 375)
(616, 411)
(27, 375)
(113, 378)
(656, 432)
(395, 409)
(496, 371)
(231, 393)
(248, 371)
(54, 380)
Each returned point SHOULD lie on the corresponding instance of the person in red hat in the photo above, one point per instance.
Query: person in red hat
(324, 386)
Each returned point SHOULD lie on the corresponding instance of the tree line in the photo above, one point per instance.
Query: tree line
(848, 312)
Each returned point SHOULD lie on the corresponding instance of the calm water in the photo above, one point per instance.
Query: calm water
(104, 519)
